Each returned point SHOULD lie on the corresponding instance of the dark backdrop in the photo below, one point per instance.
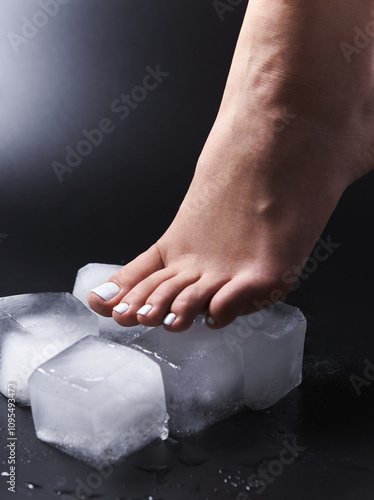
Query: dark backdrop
(62, 78)
(65, 79)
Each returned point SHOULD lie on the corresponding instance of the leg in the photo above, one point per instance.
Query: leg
(294, 129)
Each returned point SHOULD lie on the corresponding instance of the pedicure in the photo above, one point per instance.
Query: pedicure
(121, 308)
(107, 290)
(169, 319)
(144, 310)
(210, 320)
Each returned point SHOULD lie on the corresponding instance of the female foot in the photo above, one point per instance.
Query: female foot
(294, 129)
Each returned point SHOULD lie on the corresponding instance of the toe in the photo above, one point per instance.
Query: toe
(163, 296)
(103, 299)
(135, 305)
(242, 296)
(193, 300)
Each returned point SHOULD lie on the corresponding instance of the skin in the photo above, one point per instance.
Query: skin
(294, 129)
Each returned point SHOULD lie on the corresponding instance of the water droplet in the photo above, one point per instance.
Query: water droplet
(164, 434)
(33, 486)
(256, 483)
(64, 492)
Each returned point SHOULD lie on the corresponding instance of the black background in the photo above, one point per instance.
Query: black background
(122, 197)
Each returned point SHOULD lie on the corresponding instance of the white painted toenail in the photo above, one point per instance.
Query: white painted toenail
(121, 308)
(144, 310)
(210, 320)
(107, 290)
(169, 319)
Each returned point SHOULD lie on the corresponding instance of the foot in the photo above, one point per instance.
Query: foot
(295, 128)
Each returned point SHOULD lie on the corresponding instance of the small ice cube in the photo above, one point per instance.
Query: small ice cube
(89, 277)
(203, 378)
(272, 344)
(46, 323)
(98, 401)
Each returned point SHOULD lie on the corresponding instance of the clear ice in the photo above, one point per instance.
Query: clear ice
(89, 277)
(209, 375)
(35, 327)
(14, 362)
(99, 401)
(272, 346)
(203, 379)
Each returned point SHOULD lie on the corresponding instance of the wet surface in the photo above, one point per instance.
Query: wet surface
(318, 442)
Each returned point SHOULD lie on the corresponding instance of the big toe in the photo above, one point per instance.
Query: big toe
(104, 297)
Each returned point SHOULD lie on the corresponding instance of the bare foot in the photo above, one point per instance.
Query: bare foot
(295, 128)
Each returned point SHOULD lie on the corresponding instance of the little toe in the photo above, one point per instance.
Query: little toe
(241, 296)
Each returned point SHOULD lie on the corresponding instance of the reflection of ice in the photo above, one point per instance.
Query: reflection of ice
(99, 401)
(44, 324)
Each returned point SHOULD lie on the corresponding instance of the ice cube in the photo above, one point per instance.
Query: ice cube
(89, 277)
(98, 401)
(14, 369)
(203, 378)
(256, 360)
(45, 324)
(272, 344)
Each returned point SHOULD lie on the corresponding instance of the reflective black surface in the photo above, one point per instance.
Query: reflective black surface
(120, 198)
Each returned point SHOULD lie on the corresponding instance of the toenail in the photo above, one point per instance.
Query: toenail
(210, 320)
(107, 290)
(169, 319)
(121, 308)
(144, 310)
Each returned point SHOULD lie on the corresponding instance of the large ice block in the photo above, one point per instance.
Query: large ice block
(89, 277)
(272, 345)
(203, 378)
(98, 401)
(45, 324)
(255, 360)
